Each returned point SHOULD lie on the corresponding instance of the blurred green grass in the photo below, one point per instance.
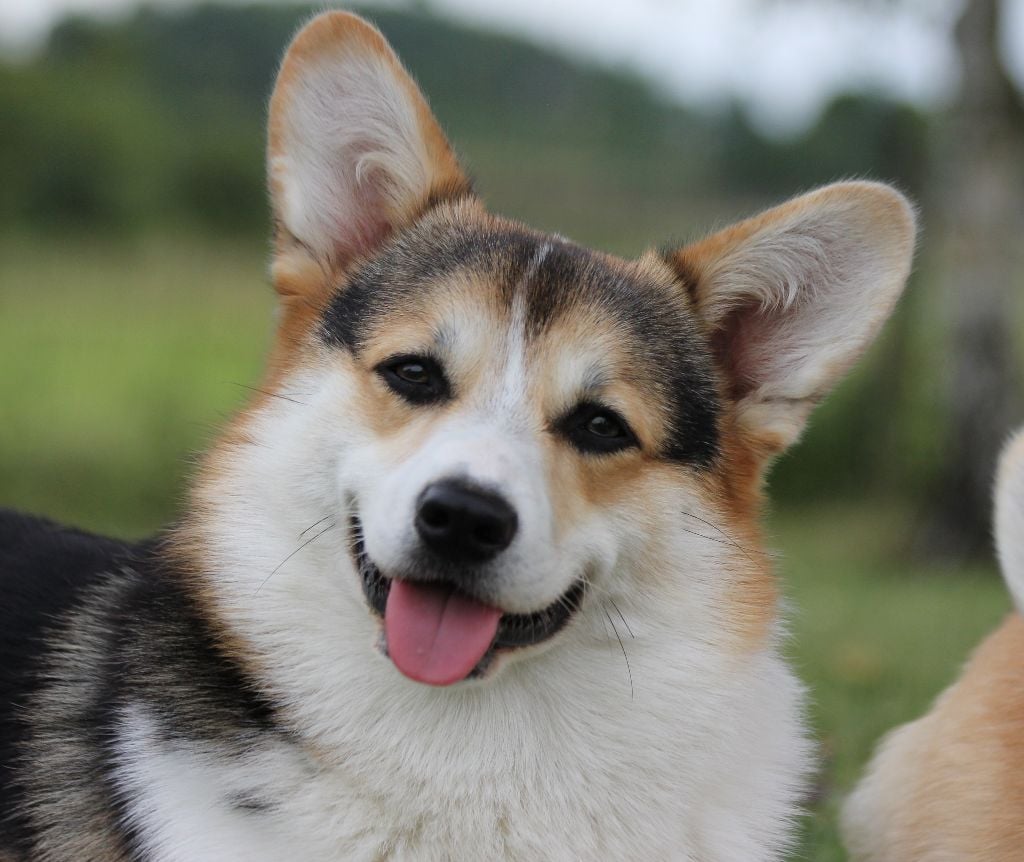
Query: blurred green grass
(118, 360)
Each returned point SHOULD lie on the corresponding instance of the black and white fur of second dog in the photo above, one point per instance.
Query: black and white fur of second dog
(479, 574)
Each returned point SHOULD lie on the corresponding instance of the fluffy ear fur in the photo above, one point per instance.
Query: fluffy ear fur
(1010, 516)
(353, 150)
(793, 296)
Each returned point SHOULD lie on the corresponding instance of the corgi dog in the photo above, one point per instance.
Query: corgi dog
(478, 574)
(950, 785)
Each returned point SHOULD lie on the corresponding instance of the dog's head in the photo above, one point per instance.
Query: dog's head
(501, 435)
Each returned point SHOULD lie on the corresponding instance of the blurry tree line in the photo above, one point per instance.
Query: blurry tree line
(976, 190)
(157, 119)
(160, 116)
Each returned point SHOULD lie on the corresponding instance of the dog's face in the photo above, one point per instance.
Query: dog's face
(509, 434)
(523, 402)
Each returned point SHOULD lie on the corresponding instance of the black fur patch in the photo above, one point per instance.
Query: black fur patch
(563, 280)
(44, 569)
(408, 265)
(149, 645)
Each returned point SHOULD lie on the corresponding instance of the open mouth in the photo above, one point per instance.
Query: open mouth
(439, 635)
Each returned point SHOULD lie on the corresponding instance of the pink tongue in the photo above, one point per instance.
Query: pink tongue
(436, 635)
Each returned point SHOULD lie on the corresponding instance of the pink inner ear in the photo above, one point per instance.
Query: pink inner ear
(363, 237)
(738, 344)
(369, 226)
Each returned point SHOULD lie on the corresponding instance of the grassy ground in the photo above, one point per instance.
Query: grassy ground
(118, 361)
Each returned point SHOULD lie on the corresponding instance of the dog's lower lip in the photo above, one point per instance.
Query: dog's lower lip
(514, 630)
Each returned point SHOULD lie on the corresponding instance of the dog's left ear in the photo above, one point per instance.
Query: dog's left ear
(792, 297)
(353, 151)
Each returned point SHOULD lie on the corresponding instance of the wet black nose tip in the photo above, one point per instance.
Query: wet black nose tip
(464, 524)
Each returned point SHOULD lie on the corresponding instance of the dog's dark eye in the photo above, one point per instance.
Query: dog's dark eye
(605, 425)
(413, 372)
(595, 429)
(418, 379)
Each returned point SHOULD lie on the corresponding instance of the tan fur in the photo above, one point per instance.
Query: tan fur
(754, 589)
(949, 787)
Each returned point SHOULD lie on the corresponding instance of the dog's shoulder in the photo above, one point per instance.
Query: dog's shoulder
(107, 656)
(45, 570)
(35, 549)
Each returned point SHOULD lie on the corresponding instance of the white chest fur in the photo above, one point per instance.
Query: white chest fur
(419, 774)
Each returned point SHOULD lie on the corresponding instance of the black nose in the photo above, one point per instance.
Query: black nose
(464, 524)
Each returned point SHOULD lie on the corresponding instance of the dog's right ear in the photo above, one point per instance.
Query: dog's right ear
(354, 152)
(1010, 516)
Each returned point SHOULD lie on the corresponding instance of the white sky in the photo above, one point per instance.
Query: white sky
(782, 59)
